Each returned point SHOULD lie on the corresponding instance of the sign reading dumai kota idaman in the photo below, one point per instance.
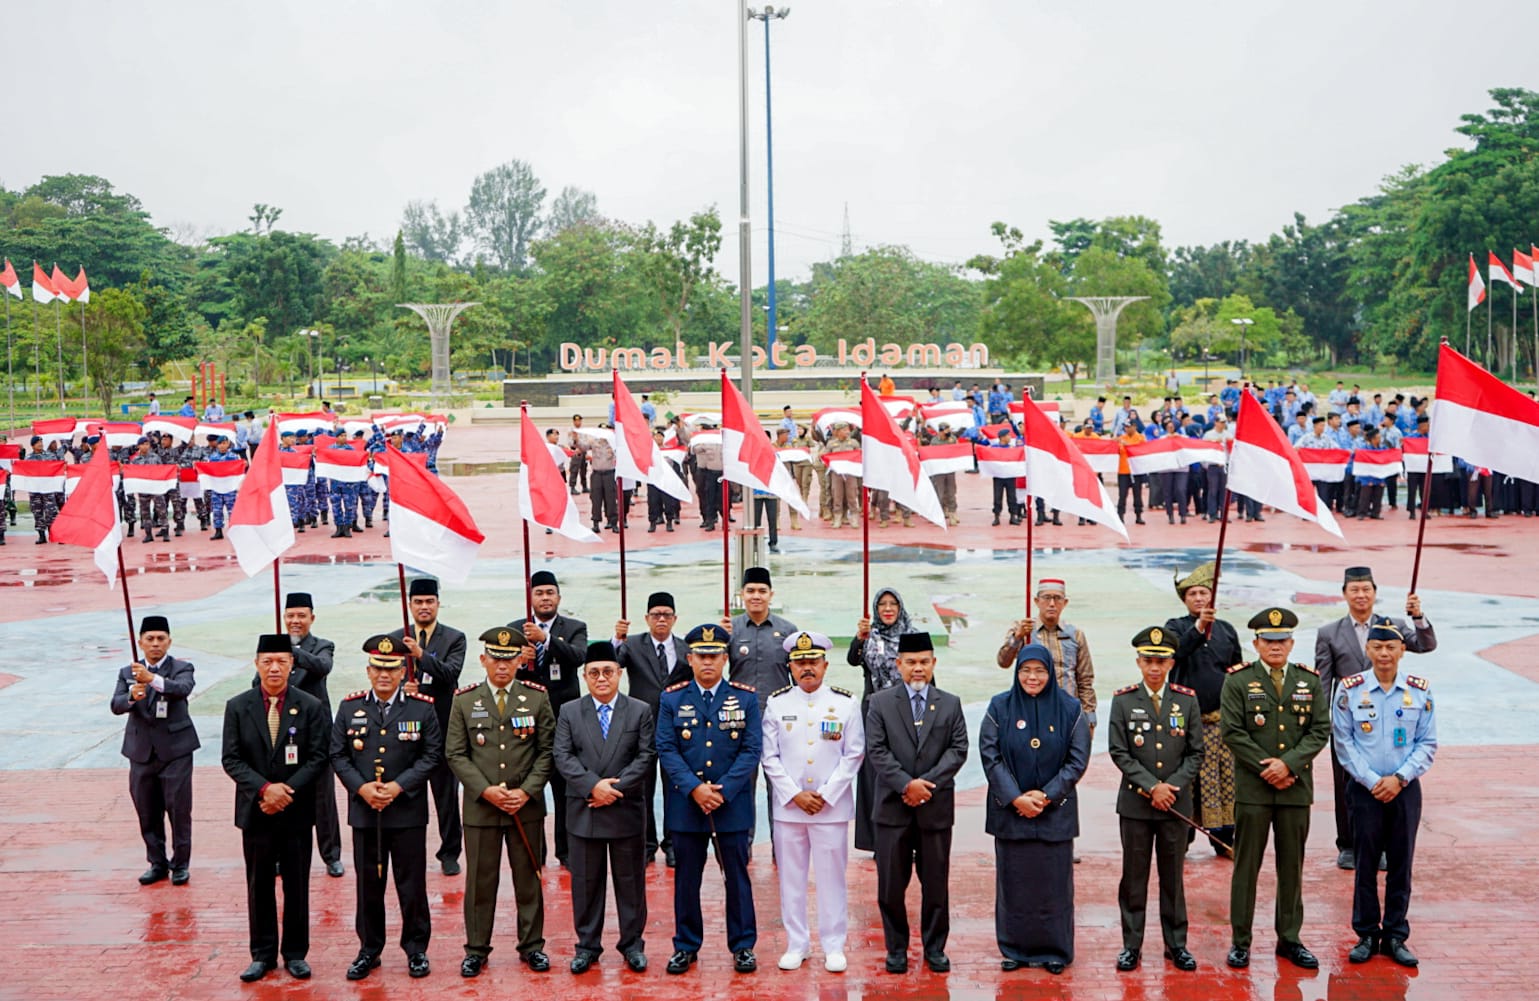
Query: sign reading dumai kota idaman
(576, 358)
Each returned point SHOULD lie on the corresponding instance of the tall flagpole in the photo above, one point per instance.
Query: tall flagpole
(1490, 304)
(1030, 550)
(85, 367)
(523, 415)
(277, 596)
(37, 363)
(58, 322)
(1517, 290)
(1223, 524)
(865, 545)
(10, 374)
(411, 662)
(1426, 502)
(726, 549)
(620, 496)
(128, 608)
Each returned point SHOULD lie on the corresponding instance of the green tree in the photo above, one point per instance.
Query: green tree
(571, 207)
(678, 261)
(430, 234)
(503, 213)
(114, 335)
(1027, 317)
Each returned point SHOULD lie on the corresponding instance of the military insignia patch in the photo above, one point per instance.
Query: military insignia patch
(1155, 636)
(1275, 617)
(385, 646)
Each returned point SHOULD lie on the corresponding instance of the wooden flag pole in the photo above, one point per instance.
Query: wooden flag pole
(411, 662)
(1426, 497)
(1030, 549)
(865, 546)
(620, 503)
(128, 609)
(277, 598)
(523, 415)
(726, 549)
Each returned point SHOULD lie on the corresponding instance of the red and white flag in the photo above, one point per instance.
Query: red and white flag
(1268, 470)
(1103, 454)
(1483, 420)
(38, 476)
(179, 428)
(1002, 461)
(747, 456)
(431, 529)
(825, 419)
(637, 455)
(1476, 289)
(1058, 472)
(843, 463)
(1325, 465)
(55, 429)
(187, 482)
(890, 461)
(1523, 268)
(74, 474)
(220, 477)
(117, 434)
(78, 289)
(261, 524)
(215, 430)
(1499, 273)
(1419, 456)
(60, 283)
(313, 421)
(1379, 462)
(295, 465)
(956, 415)
(150, 480)
(9, 281)
(343, 465)
(1172, 452)
(542, 495)
(42, 289)
(90, 518)
(938, 459)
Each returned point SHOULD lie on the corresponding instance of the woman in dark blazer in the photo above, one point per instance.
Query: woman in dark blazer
(1034, 744)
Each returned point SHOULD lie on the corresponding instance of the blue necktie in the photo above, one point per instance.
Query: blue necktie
(705, 699)
(918, 707)
(604, 720)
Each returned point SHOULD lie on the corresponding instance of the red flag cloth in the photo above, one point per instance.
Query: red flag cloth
(60, 285)
(179, 428)
(150, 480)
(431, 530)
(1001, 461)
(1476, 293)
(219, 477)
(1523, 268)
(825, 419)
(637, 456)
(1171, 452)
(954, 458)
(261, 524)
(1498, 271)
(90, 517)
(9, 281)
(1482, 420)
(1265, 468)
(42, 289)
(747, 457)
(542, 494)
(56, 429)
(890, 461)
(218, 430)
(1058, 472)
(344, 465)
(1103, 454)
(295, 465)
(1325, 465)
(38, 476)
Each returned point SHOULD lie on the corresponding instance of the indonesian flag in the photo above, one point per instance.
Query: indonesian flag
(42, 289)
(295, 465)
(1002, 461)
(747, 456)
(179, 428)
(261, 524)
(637, 456)
(542, 495)
(1499, 273)
(90, 518)
(9, 281)
(38, 476)
(78, 290)
(1103, 454)
(1049, 407)
(1380, 462)
(693, 420)
(1483, 420)
(60, 285)
(149, 480)
(225, 430)
(431, 530)
(899, 406)
(312, 421)
(1523, 268)
(956, 415)
(1265, 468)
(1173, 452)
(220, 477)
(353, 426)
(843, 463)
(187, 482)
(938, 459)
(74, 474)
(789, 454)
(890, 461)
(1059, 474)
(825, 419)
(1476, 287)
(342, 465)
(9, 453)
(117, 434)
(57, 429)
(1325, 465)
(1417, 453)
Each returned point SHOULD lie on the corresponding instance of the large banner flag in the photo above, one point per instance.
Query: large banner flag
(79, 289)
(179, 428)
(117, 434)
(956, 415)
(638, 457)
(954, 458)
(747, 456)
(1058, 472)
(1172, 452)
(74, 474)
(890, 461)
(1418, 453)
(431, 530)
(1482, 420)
(316, 420)
(150, 480)
(261, 524)
(843, 463)
(1002, 461)
(1476, 288)
(9, 281)
(344, 465)
(1326, 465)
(38, 476)
(295, 465)
(1379, 462)
(542, 494)
(1265, 468)
(899, 406)
(90, 518)
(825, 419)
(220, 477)
(56, 429)
(1103, 454)
(215, 430)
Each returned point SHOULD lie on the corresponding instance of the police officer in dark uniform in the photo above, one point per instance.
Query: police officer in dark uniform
(1155, 740)
(708, 739)
(385, 744)
(1275, 720)
(499, 742)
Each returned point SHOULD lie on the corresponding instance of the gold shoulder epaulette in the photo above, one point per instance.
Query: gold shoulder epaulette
(532, 684)
(739, 685)
(1415, 682)
(842, 691)
(674, 688)
(1306, 667)
(1125, 689)
(1182, 689)
(782, 691)
(467, 688)
(350, 696)
(1353, 682)
(1237, 667)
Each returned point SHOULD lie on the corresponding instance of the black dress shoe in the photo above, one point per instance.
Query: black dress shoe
(1395, 949)
(637, 961)
(744, 961)
(1010, 964)
(897, 962)
(256, 971)
(1363, 950)
(681, 961)
(335, 869)
(1238, 958)
(1181, 958)
(938, 962)
(1299, 956)
(583, 962)
(471, 966)
(418, 966)
(180, 876)
(361, 966)
(153, 874)
(1346, 860)
(1054, 967)
(670, 858)
(536, 960)
(298, 969)
(451, 867)
(1127, 960)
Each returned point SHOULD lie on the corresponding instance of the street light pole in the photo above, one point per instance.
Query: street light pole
(768, 14)
(744, 223)
(1243, 323)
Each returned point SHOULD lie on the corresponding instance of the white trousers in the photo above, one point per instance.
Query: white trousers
(824, 847)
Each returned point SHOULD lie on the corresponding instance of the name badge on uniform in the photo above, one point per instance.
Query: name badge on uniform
(291, 754)
(426, 679)
(161, 709)
(555, 671)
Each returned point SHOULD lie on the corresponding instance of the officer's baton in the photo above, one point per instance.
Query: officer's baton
(716, 843)
(379, 826)
(1189, 822)
(518, 825)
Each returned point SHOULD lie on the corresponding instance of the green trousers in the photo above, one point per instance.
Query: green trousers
(484, 850)
(1253, 824)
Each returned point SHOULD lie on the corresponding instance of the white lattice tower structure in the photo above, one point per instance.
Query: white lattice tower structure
(1106, 309)
(439, 317)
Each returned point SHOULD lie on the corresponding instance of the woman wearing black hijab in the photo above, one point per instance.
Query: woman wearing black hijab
(874, 649)
(1034, 744)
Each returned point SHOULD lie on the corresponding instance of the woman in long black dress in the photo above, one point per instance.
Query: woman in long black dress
(1034, 744)
(874, 649)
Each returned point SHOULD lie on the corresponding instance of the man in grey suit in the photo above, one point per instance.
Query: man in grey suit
(652, 661)
(916, 741)
(605, 749)
(1341, 652)
(158, 743)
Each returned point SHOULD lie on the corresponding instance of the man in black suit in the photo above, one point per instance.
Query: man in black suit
(158, 743)
(560, 647)
(653, 661)
(916, 741)
(1341, 652)
(605, 750)
(438, 655)
(275, 745)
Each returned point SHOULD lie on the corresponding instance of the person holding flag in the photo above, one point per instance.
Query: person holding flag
(221, 503)
(152, 507)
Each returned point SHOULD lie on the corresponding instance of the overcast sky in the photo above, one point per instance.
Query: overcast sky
(928, 118)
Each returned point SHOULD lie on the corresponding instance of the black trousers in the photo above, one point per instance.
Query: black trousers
(708, 485)
(1175, 492)
(1218, 483)
(406, 848)
(769, 508)
(1004, 496)
(900, 853)
(592, 861)
(661, 507)
(162, 789)
(328, 831)
(288, 847)
(1128, 483)
(653, 827)
(602, 488)
(1389, 829)
(1342, 782)
(1165, 842)
(691, 847)
(1415, 486)
(446, 801)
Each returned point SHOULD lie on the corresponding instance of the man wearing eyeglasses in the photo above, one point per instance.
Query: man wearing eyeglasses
(1070, 649)
(653, 661)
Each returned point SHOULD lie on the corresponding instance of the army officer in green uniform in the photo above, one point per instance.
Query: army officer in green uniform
(499, 744)
(1275, 719)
